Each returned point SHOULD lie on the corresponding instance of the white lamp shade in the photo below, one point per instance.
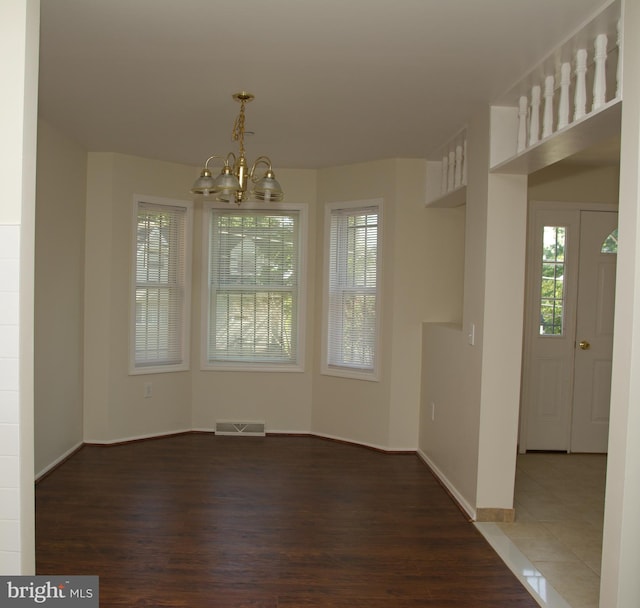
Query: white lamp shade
(268, 188)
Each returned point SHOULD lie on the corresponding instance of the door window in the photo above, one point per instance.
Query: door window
(552, 292)
(610, 244)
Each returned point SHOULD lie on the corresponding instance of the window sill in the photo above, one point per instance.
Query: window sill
(351, 373)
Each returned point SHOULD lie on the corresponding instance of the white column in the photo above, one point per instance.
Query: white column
(580, 103)
(457, 180)
(563, 106)
(599, 78)
(522, 123)
(444, 179)
(534, 123)
(619, 66)
(464, 161)
(547, 122)
(451, 174)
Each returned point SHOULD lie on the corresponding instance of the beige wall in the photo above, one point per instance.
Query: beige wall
(381, 413)
(419, 281)
(115, 406)
(59, 296)
(280, 399)
(452, 374)
(568, 183)
(470, 400)
(114, 403)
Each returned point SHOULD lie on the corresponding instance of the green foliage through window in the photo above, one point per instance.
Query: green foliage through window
(552, 288)
(253, 278)
(610, 244)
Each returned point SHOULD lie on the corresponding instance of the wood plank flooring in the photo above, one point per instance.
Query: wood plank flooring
(201, 521)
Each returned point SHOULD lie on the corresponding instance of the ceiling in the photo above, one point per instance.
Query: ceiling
(336, 81)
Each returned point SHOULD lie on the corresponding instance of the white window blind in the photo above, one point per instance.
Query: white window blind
(253, 277)
(352, 323)
(160, 335)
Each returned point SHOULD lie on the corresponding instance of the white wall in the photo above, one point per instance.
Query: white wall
(19, 23)
(59, 296)
(501, 339)
(620, 585)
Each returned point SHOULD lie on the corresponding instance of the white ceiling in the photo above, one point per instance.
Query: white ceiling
(336, 81)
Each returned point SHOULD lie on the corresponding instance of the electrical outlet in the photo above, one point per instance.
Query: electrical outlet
(148, 390)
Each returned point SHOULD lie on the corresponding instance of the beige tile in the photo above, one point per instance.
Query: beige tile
(577, 583)
(528, 529)
(559, 503)
(590, 554)
(548, 509)
(545, 550)
(522, 513)
(574, 533)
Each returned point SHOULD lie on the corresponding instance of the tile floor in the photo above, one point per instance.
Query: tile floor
(556, 540)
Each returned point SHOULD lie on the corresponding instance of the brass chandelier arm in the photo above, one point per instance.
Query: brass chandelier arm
(261, 160)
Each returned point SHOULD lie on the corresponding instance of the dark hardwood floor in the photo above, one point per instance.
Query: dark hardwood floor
(203, 521)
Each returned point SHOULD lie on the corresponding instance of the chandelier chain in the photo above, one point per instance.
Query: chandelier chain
(238, 128)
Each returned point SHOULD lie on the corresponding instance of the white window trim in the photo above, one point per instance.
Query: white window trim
(299, 366)
(186, 319)
(351, 372)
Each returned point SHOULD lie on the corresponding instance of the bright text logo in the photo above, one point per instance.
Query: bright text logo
(67, 591)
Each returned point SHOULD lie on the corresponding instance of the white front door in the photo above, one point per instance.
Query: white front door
(570, 291)
(594, 332)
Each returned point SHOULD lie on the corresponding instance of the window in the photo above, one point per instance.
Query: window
(352, 305)
(610, 244)
(552, 284)
(161, 287)
(252, 305)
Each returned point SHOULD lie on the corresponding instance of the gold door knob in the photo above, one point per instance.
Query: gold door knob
(584, 345)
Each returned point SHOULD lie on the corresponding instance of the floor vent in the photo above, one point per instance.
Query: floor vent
(248, 429)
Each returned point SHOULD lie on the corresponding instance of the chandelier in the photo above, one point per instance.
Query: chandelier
(236, 181)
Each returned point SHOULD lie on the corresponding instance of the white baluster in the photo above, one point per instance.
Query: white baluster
(444, 178)
(522, 124)
(457, 181)
(563, 106)
(599, 78)
(547, 121)
(534, 124)
(464, 162)
(580, 102)
(619, 68)
(452, 162)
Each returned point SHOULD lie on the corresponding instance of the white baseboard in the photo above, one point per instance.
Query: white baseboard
(464, 504)
(58, 460)
(382, 448)
(135, 437)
